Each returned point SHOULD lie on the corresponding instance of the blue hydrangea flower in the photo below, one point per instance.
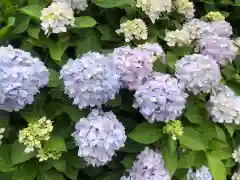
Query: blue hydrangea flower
(90, 80)
(202, 173)
(160, 98)
(224, 106)
(134, 65)
(221, 49)
(98, 136)
(220, 28)
(148, 166)
(21, 77)
(198, 73)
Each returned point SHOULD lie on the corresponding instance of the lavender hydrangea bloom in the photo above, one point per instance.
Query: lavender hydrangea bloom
(220, 28)
(221, 49)
(198, 73)
(134, 65)
(224, 106)
(154, 48)
(98, 137)
(202, 173)
(160, 98)
(90, 80)
(148, 166)
(21, 77)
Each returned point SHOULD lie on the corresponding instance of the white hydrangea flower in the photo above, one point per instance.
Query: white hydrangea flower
(90, 80)
(177, 38)
(202, 173)
(224, 106)
(236, 175)
(154, 48)
(133, 65)
(98, 136)
(195, 28)
(160, 98)
(221, 49)
(148, 166)
(198, 73)
(154, 8)
(133, 29)
(236, 155)
(80, 5)
(185, 7)
(56, 17)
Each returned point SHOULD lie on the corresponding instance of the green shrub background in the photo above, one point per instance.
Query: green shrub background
(206, 142)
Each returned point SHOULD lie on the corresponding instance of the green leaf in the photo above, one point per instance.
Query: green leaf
(22, 23)
(89, 43)
(74, 160)
(55, 143)
(60, 165)
(54, 80)
(18, 155)
(4, 30)
(190, 137)
(34, 32)
(187, 160)
(171, 60)
(34, 111)
(85, 22)
(230, 128)
(110, 3)
(72, 172)
(33, 11)
(115, 102)
(74, 113)
(26, 171)
(5, 158)
(220, 133)
(194, 112)
(216, 167)
(108, 34)
(224, 153)
(132, 147)
(128, 161)
(50, 175)
(57, 51)
(146, 133)
(53, 109)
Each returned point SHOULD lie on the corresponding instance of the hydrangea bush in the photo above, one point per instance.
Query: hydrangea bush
(119, 90)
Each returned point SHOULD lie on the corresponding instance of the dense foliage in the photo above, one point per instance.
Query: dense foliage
(119, 89)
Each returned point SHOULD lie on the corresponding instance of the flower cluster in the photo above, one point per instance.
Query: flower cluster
(177, 38)
(219, 28)
(80, 5)
(154, 8)
(21, 77)
(154, 48)
(160, 98)
(2, 130)
(149, 165)
(185, 7)
(221, 49)
(44, 155)
(133, 65)
(173, 128)
(224, 106)
(236, 175)
(56, 17)
(215, 16)
(198, 73)
(201, 174)
(98, 137)
(133, 29)
(90, 80)
(35, 133)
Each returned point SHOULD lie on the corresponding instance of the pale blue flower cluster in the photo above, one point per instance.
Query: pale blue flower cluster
(148, 166)
(224, 106)
(21, 77)
(133, 65)
(220, 28)
(98, 136)
(198, 73)
(202, 173)
(90, 80)
(160, 98)
(221, 49)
